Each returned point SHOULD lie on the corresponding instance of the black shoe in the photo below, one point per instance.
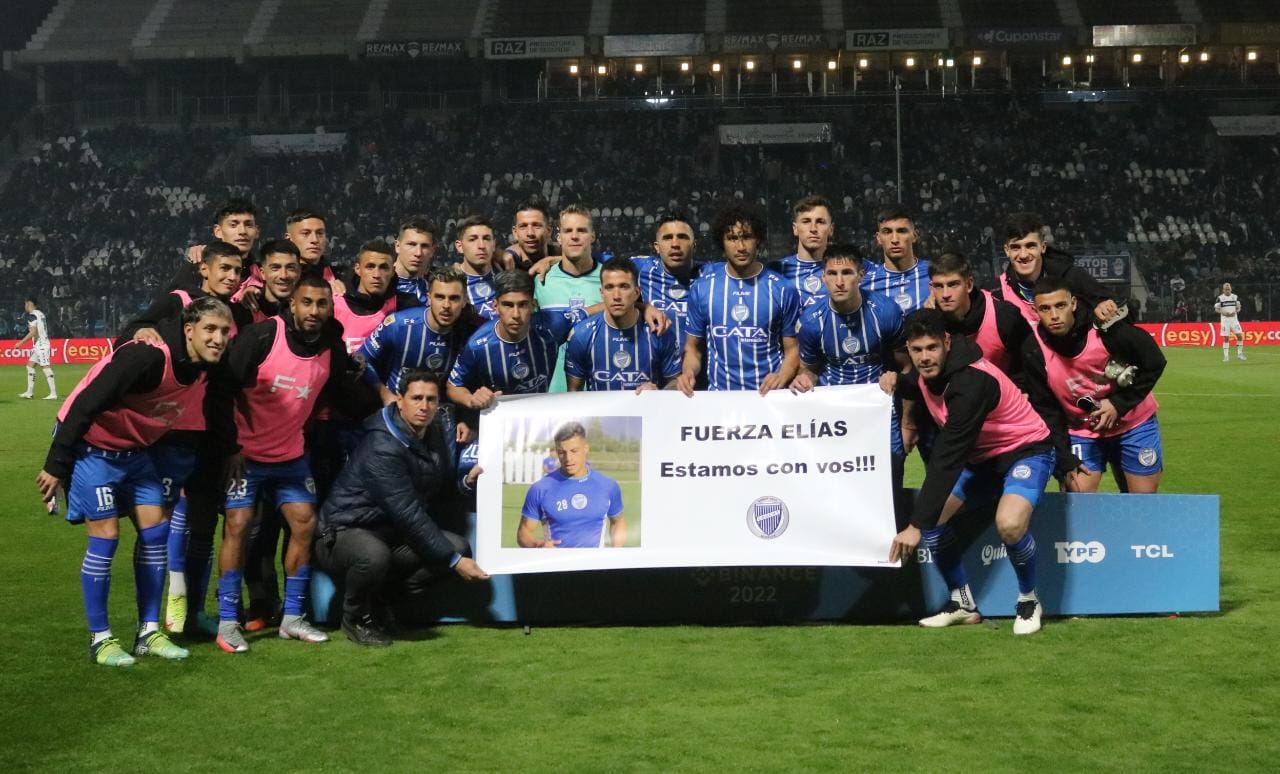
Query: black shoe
(364, 631)
(384, 618)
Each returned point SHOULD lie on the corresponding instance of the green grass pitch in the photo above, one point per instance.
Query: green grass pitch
(1195, 693)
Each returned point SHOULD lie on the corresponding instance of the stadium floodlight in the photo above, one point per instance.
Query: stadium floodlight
(751, 64)
(1204, 56)
(1137, 58)
(796, 64)
(684, 67)
(715, 67)
(911, 61)
(1184, 58)
(1066, 61)
(951, 62)
(977, 61)
(1252, 56)
(831, 64)
(573, 69)
(1088, 59)
(639, 67)
(863, 63)
(602, 70)
(941, 61)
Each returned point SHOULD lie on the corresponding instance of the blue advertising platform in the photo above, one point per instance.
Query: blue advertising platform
(1099, 554)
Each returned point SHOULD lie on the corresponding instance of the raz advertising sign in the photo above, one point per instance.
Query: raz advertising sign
(617, 480)
(557, 47)
(926, 39)
(414, 49)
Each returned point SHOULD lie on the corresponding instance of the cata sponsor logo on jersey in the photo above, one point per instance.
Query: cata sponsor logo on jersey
(768, 517)
(1078, 552)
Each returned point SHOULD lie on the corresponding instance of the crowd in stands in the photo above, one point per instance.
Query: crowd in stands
(92, 221)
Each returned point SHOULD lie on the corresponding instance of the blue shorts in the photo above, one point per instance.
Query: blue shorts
(1026, 477)
(290, 481)
(104, 482)
(1137, 450)
(175, 462)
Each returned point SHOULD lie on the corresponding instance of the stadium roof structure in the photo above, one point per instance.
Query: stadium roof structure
(78, 30)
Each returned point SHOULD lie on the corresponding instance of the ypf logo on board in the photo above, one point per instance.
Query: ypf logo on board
(1076, 552)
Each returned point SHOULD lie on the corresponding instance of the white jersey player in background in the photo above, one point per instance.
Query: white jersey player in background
(1228, 308)
(38, 334)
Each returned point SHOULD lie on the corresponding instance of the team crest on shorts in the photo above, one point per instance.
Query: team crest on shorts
(740, 312)
(851, 345)
(621, 359)
(768, 517)
(1147, 456)
(520, 370)
(812, 283)
(677, 292)
(579, 501)
(1022, 472)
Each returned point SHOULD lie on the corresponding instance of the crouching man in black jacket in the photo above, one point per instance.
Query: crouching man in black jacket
(377, 528)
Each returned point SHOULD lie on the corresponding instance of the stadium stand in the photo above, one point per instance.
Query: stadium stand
(659, 16)
(198, 29)
(1238, 10)
(1131, 12)
(769, 16)
(73, 31)
(295, 21)
(423, 19)
(538, 17)
(1010, 13)
(863, 15)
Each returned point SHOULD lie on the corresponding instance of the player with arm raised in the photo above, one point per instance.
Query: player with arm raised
(126, 403)
(1228, 308)
(577, 505)
(38, 335)
(744, 316)
(1101, 381)
(613, 349)
(991, 444)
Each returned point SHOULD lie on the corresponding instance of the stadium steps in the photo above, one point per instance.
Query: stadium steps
(832, 15)
(151, 25)
(1009, 13)
(262, 19)
(50, 24)
(657, 16)
(1069, 12)
(372, 21)
(1190, 11)
(949, 11)
(527, 18)
(424, 20)
(196, 29)
(753, 16)
(864, 15)
(717, 15)
(598, 21)
(75, 29)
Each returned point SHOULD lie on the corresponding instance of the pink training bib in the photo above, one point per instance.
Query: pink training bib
(1071, 379)
(1012, 423)
(271, 413)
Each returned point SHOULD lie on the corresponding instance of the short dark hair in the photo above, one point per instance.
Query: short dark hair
(843, 252)
(512, 282)
(419, 223)
(1019, 224)
(471, 221)
(730, 216)
(810, 202)
(533, 204)
(569, 430)
(924, 322)
(894, 212)
(304, 213)
(312, 280)
(203, 306)
(32, 299)
(1047, 284)
(378, 246)
(620, 263)
(272, 246)
(420, 375)
(446, 274)
(675, 216)
(236, 206)
(219, 249)
(951, 262)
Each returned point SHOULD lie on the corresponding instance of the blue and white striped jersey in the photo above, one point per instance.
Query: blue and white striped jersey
(609, 358)
(414, 286)
(908, 289)
(662, 289)
(804, 277)
(743, 322)
(405, 342)
(517, 368)
(480, 294)
(850, 348)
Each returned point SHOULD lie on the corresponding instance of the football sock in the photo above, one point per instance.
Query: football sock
(147, 628)
(1022, 555)
(229, 596)
(177, 548)
(95, 580)
(946, 556)
(148, 570)
(1226, 349)
(295, 591)
(31, 379)
(97, 637)
(199, 562)
(48, 377)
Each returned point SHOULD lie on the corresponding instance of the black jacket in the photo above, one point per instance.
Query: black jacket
(1057, 263)
(395, 479)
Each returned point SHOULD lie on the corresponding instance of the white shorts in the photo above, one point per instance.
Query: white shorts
(39, 355)
(1231, 325)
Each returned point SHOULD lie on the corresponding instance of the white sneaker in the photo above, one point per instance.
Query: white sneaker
(1027, 617)
(1241, 356)
(51, 397)
(295, 627)
(1226, 358)
(25, 395)
(952, 615)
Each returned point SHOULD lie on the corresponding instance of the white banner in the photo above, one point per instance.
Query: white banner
(1144, 35)
(1246, 126)
(555, 47)
(673, 44)
(288, 144)
(924, 39)
(720, 479)
(773, 134)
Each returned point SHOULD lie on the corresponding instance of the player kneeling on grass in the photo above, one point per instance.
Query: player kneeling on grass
(991, 443)
(126, 403)
(377, 528)
(1101, 382)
